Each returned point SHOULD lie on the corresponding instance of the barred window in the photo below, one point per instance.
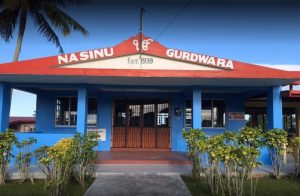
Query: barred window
(66, 111)
(212, 115)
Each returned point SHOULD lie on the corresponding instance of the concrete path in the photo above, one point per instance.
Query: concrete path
(138, 184)
(143, 169)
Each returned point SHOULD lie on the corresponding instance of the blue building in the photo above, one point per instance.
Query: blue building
(140, 94)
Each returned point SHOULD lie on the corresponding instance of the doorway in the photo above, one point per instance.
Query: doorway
(141, 123)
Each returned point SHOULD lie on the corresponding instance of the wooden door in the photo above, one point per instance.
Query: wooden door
(141, 124)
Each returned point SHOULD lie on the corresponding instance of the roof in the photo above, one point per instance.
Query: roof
(21, 120)
(50, 69)
(297, 82)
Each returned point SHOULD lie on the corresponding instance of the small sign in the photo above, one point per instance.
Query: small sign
(101, 133)
(142, 60)
(236, 115)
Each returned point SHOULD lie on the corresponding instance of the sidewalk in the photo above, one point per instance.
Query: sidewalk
(263, 170)
(138, 184)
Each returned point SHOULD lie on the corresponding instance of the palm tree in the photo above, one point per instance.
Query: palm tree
(45, 14)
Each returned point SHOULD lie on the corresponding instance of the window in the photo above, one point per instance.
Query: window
(149, 115)
(134, 115)
(66, 111)
(188, 113)
(120, 115)
(141, 113)
(213, 113)
(92, 112)
(218, 113)
(289, 123)
(163, 115)
(206, 114)
(257, 117)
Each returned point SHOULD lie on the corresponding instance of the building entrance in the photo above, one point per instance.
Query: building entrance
(141, 124)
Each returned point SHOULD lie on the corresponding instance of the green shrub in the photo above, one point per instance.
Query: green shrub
(276, 140)
(85, 155)
(57, 162)
(236, 151)
(23, 159)
(68, 156)
(295, 144)
(192, 137)
(7, 140)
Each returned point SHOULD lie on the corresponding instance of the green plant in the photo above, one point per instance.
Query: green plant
(85, 155)
(192, 137)
(23, 159)
(276, 140)
(212, 170)
(57, 161)
(236, 152)
(7, 140)
(41, 154)
(295, 144)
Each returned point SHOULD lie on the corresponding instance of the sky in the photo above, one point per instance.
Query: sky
(265, 32)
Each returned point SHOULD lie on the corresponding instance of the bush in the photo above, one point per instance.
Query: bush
(68, 156)
(57, 162)
(192, 136)
(295, 144)
(276, 140)
(7, 140)
(23, 159)
(84, 156)
(40, 154)
(237, 152)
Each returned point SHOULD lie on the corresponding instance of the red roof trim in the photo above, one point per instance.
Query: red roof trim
(19, 120)
(49, 66)
(291, 93)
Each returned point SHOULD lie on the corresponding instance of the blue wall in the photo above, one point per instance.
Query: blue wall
(46, 101)
(48, 133)
(46, 114)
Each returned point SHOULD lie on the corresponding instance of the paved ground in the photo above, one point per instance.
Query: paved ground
(143, 169)
(148, 169)
(138, 184)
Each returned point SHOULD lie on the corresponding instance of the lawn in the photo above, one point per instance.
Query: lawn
(266, 186)
(14, 188)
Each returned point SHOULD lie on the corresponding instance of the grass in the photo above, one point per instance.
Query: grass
(14, 188)
(265, 186)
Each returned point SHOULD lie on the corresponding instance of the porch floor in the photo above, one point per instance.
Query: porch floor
(142, 157)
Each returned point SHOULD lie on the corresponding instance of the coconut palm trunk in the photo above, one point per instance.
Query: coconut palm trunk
(22, 25)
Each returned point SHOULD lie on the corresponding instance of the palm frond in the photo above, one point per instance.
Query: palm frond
(8, 21)
(66, 3)
(45, 29)
(61, 20)
(10, 4)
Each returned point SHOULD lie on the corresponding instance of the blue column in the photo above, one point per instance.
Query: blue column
(178, 142)
(197, 108)
(82, 106)
(234, 103)
(5, 100)
(274, 108)
(104, 112)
